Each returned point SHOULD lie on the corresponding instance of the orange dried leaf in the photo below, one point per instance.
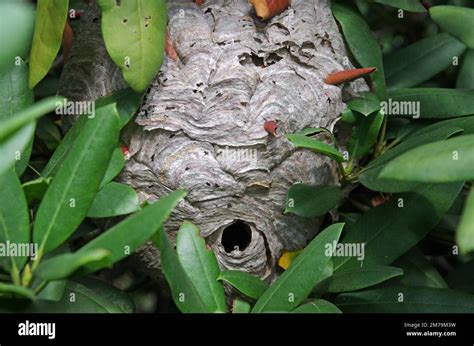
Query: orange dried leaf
(268, 8)
(348, 75)
(169, 49)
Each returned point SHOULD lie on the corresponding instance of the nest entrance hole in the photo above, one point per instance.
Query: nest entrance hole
(236, 236)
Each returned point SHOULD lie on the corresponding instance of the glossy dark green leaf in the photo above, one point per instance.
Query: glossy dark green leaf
(370, 176)
(312, 201)
(200, 264)
(14, 97)
(34, 190)
(124, 238)
(466, 73)
(63, 266)
(364, 134)
(14, 218)
(437, 162)
(240, 306)
(420, 61)
(366, 103)
(456, 20)
(435, 103)
(17, 291)
(51, 17)
(462, 277)
(465, 231)
(16, 146)
(116, 164)
(317, 306)
(401, 299)
(127, 101)
(393, 228)
(296, 283)
(246, 283)
(418, 271)
(135, 33)
(48, 133)
(114, 199)
(27, 115)
(20, 15)
(74, 187)
(407, 5)
(86, 296)
(63, 149)
(54, 291)
(183, 291)
(301, 141)
(362, 44)
(354, 279)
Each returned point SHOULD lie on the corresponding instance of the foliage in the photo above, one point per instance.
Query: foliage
(405, 172)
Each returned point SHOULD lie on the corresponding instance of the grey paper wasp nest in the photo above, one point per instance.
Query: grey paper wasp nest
(201, 127)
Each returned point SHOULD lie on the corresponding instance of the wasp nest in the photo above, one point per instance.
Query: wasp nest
(202, 125)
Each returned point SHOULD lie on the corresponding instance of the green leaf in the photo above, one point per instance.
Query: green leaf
(456, 20)
(362, 44)
(414, 299)
(462, 277)
(364, 134)
(116, 164)
(65, 265)
(21, 16)
(465, 231)
(63, 149)
(301, 141)
(73, 189)
(312, 201)
(366, 103)
(15, 291)
(435, 103)
(54, 291)
(35, 189)
(354, 279)
(28, 115)
(114, 199)
(14, 97)
(127, 102)
(246, 283)
(240, 306)
(370, 176)
(304, 273)
(16, 145)
(133, 232)
(51, 17)
(91, 296)
(407, 5)
(200, 264)
(14, 218)
(421, 60)
(438, 162)
(317, 306)
(48, 133)
(418, 271)
(183, 291)
(393, 228)
(466, 73)
(135, 29)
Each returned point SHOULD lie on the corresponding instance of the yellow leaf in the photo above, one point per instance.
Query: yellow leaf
(287, 258)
